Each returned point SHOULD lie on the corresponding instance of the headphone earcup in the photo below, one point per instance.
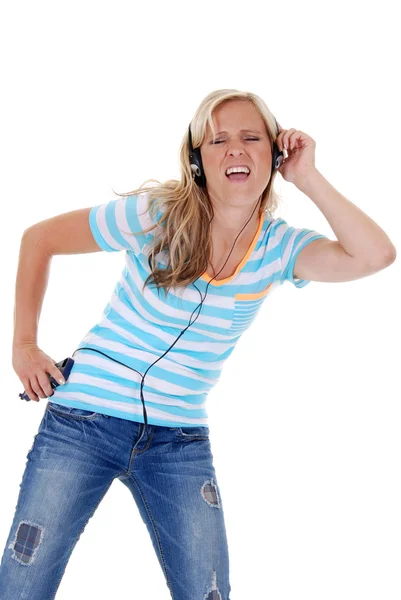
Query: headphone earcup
(197, 167)
(277, 158)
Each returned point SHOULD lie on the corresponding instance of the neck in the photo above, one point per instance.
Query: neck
(225, 234)
(229, 222)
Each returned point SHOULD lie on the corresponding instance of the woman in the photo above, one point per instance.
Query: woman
(202, 255)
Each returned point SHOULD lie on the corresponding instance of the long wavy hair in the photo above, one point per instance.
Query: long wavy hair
(184, 237)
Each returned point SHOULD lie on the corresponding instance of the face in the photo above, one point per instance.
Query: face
(243, 141)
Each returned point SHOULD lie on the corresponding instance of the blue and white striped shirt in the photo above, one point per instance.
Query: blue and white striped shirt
(137, 327)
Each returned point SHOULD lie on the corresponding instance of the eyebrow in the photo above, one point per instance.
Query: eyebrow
(242, 131)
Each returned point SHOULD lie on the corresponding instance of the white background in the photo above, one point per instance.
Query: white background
(305, 421)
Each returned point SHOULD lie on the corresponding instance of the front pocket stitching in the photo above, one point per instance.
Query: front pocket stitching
(65, 414)
(192, 435)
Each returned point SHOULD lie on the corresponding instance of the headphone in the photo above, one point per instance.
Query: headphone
(198, 174)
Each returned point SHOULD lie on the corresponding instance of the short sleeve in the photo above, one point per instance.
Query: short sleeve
(115, 224)
(290, 241)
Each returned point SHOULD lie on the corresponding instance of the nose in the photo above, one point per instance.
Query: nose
(236, 151)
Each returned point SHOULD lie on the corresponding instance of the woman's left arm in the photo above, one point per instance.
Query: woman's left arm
(359, 237)
(357, 233)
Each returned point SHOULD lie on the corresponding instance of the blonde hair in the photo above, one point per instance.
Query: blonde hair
(186, 207)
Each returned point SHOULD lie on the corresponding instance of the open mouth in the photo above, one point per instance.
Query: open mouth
(238, 176)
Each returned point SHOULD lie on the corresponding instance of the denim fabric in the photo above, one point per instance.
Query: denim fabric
(75, 457)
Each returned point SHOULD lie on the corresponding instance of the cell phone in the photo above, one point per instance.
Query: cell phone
(64, 366)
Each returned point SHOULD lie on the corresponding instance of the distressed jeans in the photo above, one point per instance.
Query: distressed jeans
(75, 457)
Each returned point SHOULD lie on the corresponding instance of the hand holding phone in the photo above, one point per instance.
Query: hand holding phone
(39, 374)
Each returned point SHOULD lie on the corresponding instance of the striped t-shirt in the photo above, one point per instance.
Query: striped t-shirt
(137, 327)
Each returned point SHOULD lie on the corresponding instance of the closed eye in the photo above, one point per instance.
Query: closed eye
(249, 139)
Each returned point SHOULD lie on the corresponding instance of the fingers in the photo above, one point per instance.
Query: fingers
(56, 373)
(29, 390)
(45, 387)
(35, 369)
(280, 139)
(284, 139)
(38, 385)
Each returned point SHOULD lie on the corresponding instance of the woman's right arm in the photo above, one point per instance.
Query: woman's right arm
(68, 233)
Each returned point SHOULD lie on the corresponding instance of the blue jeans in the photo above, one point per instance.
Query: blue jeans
(74, 459)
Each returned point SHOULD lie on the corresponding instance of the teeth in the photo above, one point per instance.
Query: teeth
(237, 170)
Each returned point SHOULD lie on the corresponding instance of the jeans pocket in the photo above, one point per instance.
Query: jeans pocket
(192, 433)
(70, 412)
